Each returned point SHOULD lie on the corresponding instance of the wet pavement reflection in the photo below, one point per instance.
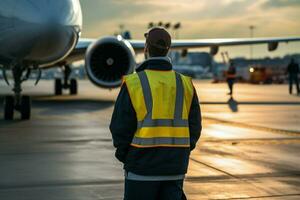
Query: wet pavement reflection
(249, 147)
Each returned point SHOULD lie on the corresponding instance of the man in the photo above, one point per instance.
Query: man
(155, 125)
(293, 71)
(230, 77)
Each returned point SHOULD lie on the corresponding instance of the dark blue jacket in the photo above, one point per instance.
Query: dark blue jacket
(150, 161)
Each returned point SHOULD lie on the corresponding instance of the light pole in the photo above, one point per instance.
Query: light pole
(151, 25)
(176, 28)
(121, 28)
(251, 28)
(167, 25)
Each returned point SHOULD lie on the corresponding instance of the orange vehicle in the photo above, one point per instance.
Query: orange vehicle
(260, 75)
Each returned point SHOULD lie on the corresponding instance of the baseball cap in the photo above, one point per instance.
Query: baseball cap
(158, 37)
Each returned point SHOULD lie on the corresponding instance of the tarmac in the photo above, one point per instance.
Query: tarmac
(249, 148)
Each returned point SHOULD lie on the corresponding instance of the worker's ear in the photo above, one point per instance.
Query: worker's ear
(146, 52)
(146, 48)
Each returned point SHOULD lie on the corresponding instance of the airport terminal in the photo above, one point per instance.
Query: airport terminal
(119, 100)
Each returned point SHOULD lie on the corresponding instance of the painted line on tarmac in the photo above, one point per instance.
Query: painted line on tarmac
(258, 141)
(237, 177)
(199, 179)
(212, 167)
(251, 126)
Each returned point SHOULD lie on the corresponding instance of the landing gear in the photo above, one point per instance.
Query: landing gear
(18, 102)
(66, 83)
(9, 103)
(58, 87)
(73, 87)
(25, 107)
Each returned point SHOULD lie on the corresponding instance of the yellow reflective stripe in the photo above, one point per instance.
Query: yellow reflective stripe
(179, 98)
(188, 95)
(134, 88)
(149, 132)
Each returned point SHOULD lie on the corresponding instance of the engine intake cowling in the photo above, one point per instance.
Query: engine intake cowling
(107, 60)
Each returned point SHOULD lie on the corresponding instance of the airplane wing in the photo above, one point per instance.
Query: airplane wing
(213, 44)
(216, 43)
(79, 51)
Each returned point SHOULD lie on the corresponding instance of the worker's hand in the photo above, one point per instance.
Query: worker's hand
(121, 154)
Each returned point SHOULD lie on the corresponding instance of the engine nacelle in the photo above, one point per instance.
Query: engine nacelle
(108, 60)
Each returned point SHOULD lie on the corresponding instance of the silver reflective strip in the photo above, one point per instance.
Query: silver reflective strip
(163, 122)
(136, 177)
(160, 141)
(179, 98)
(146, 92)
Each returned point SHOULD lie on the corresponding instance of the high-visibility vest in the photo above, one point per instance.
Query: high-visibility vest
(228, 75)
(162, 101)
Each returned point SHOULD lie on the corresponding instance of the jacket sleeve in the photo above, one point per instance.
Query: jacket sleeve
(195, 124)
(123, 124)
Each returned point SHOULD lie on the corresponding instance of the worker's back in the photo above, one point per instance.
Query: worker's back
(161, 100)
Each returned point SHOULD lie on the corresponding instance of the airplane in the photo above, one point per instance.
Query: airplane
(40, 34)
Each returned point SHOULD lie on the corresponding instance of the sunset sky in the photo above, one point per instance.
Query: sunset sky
(200, 19)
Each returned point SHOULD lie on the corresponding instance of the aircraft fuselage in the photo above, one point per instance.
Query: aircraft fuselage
(38, 31)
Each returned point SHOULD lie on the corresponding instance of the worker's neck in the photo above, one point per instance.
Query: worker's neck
(155, 63)
(166, 58)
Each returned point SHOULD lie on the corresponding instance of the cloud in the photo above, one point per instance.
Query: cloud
(100, 10)
(201, 18)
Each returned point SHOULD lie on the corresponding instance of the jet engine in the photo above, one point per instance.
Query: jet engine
(108, 60)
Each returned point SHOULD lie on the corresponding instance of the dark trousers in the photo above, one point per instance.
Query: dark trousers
(154, 190)
(292, 79)
(230, 83)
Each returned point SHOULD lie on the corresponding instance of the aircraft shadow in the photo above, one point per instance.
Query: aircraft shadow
(66, 107)
(48, 105)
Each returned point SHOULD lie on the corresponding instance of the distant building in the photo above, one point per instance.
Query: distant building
(194, 64)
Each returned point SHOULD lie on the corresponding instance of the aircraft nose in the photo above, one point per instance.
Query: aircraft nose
(41, 31)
